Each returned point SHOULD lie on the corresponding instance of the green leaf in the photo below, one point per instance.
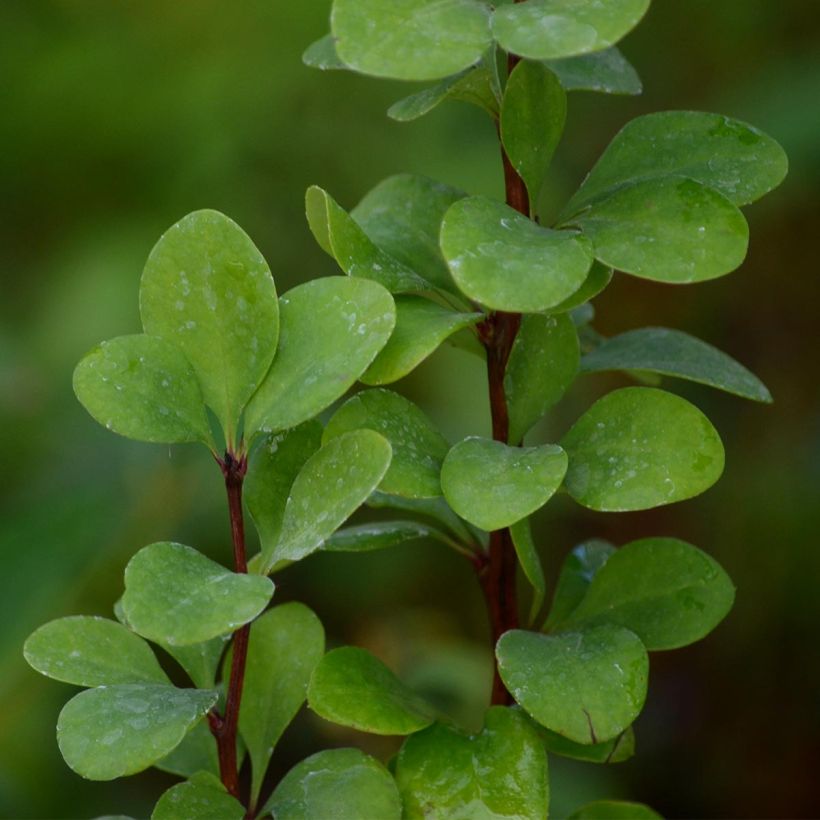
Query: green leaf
(91, 652)
(577, 572)
(200, 660)
(617, 750)
(473, 86)
(667, 592)
(733, 158)
(500, 772)
(379, 535)
(543, 364)
(177, 596)
(113, 731)
(322, 54)
(343, 784)
(421, 326)
(587, 686)
(607, 72)
(435, 508)
(673, 353)
(201, 798)
(506, 262)
(639, 448)
(285, 645)
(331, 486)
(614, 810)
(403, 215)
(340, 236)
(599, 277)
(353, 688)
(410, 39)
(143, 388)
(549, 29)
(533, 113)
(668, 230)
(492, 485)
(418, 447)
(196, 753)
(521, 533)
(271, 472)
(332, 330)
(207, 288)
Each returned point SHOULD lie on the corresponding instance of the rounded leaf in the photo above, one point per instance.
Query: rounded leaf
(200, 798)
(614, 810)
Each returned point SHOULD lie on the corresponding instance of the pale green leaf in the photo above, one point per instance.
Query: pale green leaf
(521, 533)
(207, 288)
(113, 731)
(144, 388)
(410, 39)
(614, 810)
(177, 596)
(638, 448)
(473, 86)
(418, 447)
(332, 330)
(507, 262)
(673, 353)
(201, 798)
(322, 54)
(607, 72)
(588, 685)
(380, 535)
(492, 485)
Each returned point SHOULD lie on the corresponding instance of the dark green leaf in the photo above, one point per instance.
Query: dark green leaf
(614, 810)
(379, 535)
(203, 797)
(599, 277)
(521, 534)
(196, 753)
(473, 86)
(617, 750)
(436, 508)
(607, 72)
(200, 660)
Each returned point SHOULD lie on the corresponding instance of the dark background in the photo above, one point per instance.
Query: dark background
(119, 118)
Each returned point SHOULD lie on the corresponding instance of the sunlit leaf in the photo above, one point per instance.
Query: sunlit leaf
(607, 72)
(203, 797)
(473, 86)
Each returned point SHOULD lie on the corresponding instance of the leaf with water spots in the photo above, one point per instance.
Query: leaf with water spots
(587, 686)
(177, 596)
(331, 331)
(499, 772)
(507, 262)
(410, 39)
(525, 549)
(667, 592)
(607, 72)
(418, 447)
(523, 480)
(353, 688)
(203, 797)
(639, 448)
(332, 485)
(614, 810)
(113, 731)
(475, 86)
(673, 353)
(144, 388)
(343, 784)
(208, 289)
(90, 651)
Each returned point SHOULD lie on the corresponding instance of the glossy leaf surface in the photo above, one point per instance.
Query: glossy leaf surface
(587, 685)
(638, 448)
(614, 810)
(617, 750)
(607, 72)
(521, 533)
(436, 509)
(177, 596)
(202, 797)
(379, 535)
(598, 278)
(472, 86)
(112, 731)
(523, 480)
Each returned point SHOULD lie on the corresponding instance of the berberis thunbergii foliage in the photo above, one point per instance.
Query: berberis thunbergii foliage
(225, 362)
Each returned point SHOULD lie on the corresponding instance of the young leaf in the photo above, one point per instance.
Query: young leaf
(673, 353)
(203, 797)
(322, 54)
(196, 753)
(436, 508)
(639, 448)
(331, 486)
(533, 113)
(285, 645)
(543, 364)
(332, 330)
(550, 29)
(587, 686)
(379, 535)
(177, 596)
(614, 810)
(527, 553)
(523, 480)
(667, 592)
(607, 72)
(506, 262)
(207, 288)
(500, 772)
(353, 688)
(144, 388)
(343, 784)
(617, 750)
(421, 327)
(410, 39)
(272, 470)
(113, 731)
(577, 572)
(473, 86)
(599, 277)
(418, 448)
(91, 652)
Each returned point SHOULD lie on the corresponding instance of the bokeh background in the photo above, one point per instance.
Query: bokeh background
(119, 118)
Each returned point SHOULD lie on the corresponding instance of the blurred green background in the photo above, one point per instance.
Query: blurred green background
(119, 118)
